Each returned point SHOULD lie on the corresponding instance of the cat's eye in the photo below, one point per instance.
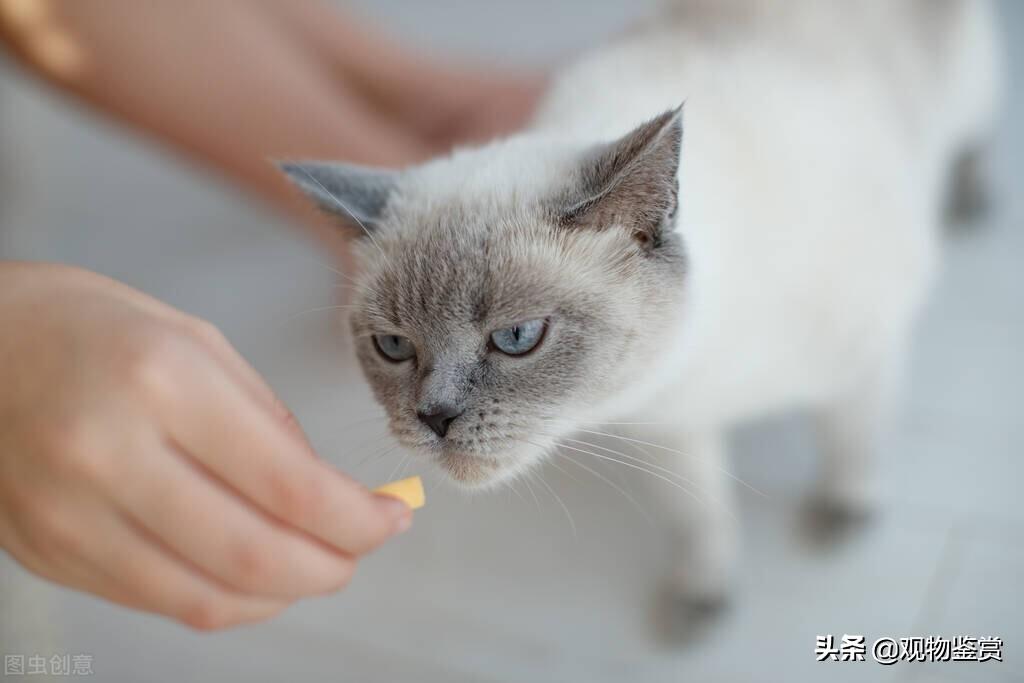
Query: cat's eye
(519, 339)
(394, 347)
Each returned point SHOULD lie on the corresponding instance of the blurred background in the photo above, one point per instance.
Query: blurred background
(499, 587)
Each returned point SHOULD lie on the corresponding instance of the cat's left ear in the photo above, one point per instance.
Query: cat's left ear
(356, 194)
(631, 182)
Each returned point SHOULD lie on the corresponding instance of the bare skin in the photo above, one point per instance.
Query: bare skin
(237, 82)
(141, 458)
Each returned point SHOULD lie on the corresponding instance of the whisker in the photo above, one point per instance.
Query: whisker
(631, 499)
(432, 483)
(512, 489)
(379, 454)
(646, 463)
(572, 522)
(633, 443)
(366, 441)
(565, 472)
(391, 477)
(677, 452)
(536, 500)
(637, 467)
(405, 465)
(711, 499)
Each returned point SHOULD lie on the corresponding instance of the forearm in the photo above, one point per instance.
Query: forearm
(225, 82)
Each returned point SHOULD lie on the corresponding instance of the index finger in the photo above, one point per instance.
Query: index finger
(222, 427)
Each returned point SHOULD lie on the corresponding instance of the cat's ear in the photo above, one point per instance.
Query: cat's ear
(631, 182)
(356, 194)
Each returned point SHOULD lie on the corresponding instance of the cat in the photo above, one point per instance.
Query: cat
(681, 267)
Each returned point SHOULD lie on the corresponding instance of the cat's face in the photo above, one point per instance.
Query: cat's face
(488, 318)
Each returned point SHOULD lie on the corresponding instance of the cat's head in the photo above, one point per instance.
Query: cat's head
(506, 292)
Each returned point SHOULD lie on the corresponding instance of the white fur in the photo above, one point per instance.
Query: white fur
(816, 147)
(818, 139)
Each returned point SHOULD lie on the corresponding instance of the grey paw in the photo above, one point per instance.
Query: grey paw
(683, 618)
(829, 520)
(969, 197)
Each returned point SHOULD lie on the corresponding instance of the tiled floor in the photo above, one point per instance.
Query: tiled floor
(499, 588)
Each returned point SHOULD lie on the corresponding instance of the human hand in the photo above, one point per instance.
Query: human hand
(457, 106)
(290, 80)
(144, 461)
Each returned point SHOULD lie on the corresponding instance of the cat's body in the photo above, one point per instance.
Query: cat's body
(811, 189)
(818, 140)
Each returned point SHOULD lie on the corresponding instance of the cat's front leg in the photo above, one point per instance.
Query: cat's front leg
(700, 512)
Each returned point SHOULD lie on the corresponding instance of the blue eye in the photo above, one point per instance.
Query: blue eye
(393, 347)
(519, 339)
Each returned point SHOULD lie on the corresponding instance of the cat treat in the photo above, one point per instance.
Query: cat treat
(409, 491)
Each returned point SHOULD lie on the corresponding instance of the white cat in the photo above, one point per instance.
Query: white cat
(818, 139)
(586, 270)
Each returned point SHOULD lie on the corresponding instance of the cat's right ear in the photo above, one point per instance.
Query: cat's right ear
(355, 194)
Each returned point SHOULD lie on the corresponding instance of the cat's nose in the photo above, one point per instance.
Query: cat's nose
(439, 417)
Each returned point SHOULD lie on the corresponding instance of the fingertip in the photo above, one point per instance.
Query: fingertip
(396, 511)
(404, 522)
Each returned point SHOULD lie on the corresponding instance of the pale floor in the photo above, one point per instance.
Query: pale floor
(499, 588)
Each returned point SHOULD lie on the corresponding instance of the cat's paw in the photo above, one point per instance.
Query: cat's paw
(832, 517)
(682, 616)
(696, 595)
(969, 199)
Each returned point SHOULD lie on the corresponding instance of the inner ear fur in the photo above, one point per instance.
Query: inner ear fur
(631, 182)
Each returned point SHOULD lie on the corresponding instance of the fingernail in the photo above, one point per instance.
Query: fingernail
(404, 522)
(398, 511)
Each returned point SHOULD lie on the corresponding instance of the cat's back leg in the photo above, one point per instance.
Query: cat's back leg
(972, 79)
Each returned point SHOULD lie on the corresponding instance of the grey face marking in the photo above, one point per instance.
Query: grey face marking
(447, 287)
(483, 323)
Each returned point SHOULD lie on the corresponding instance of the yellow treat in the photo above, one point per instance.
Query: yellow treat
(409, 491)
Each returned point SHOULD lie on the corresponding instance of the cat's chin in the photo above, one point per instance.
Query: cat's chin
(473, 471)
(478, 472)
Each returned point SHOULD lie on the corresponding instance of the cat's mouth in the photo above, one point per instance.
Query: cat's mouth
(464, 466)
(471, 466)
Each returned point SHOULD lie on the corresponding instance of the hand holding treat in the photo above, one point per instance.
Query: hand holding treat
(143, 460)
